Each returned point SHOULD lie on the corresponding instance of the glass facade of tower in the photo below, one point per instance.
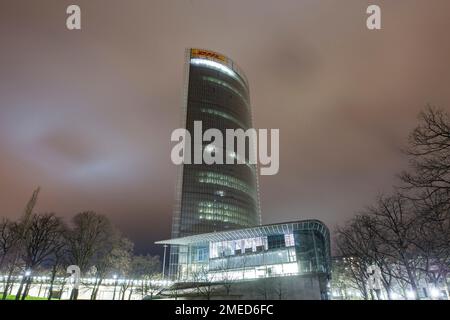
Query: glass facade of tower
(214, 197)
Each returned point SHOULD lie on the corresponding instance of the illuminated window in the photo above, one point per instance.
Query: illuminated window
(289, 240)
(292, 255)
(224, 115)
(220, 193)
(217, 66)
(226, 85)
(214, 65)
(202, 254)
(223, 212)
(290, 268)
(225, 180)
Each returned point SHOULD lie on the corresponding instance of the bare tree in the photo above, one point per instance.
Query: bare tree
(342, 279)
(367, 246)
(120, 260)
(146, 270)
(9, 237)
(429, 153)
(433, 237)
(348, 244)
(58, 259)
(263, 288)
(42, 243)
(376, 252)
(407, 233)
(428, 185)
(204, 282)
(113, 255)
(43, 235)
(396, 230)
(58, 269)
(88, 234)
(145, 266)
(279, 288)
(227, 276)
(16, 250)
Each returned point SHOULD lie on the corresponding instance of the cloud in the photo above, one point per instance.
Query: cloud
(88, 115)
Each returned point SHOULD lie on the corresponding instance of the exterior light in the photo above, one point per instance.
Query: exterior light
(115, 276)
(214, 65)
(395, 296)
(27, 273)
(435, 293)
(410, 294)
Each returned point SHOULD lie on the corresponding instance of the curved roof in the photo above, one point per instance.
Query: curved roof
(196, 53)
(251, 232)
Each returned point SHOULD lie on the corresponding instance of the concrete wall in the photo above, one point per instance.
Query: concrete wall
(305, 287)
(301, 287)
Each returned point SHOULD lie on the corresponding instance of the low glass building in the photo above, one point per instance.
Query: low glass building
(284, 249)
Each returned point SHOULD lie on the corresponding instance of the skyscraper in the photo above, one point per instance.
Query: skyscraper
(214, 197)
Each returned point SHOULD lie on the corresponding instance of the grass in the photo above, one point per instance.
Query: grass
(13, 297)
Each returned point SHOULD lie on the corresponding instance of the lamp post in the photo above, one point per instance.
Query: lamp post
(164, 262)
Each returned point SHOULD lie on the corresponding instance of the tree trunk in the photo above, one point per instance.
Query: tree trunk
(19, 291)
(412, 281)
(97, 287)
(93, 294)
(61, 290)
(40, 289)
(123, 290)
(52, 282)
(448, 287)
(74, 294)
(8, 285)
(27, 288)
(388, 290)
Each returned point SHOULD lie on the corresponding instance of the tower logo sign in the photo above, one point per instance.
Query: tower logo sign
(199, 53)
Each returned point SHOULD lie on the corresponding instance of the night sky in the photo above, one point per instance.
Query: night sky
(87, 115)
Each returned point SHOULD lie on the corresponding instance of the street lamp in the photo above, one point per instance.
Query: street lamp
(164, 261)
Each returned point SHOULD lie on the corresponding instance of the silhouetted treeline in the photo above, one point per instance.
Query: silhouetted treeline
(41, 244)
(406, 233)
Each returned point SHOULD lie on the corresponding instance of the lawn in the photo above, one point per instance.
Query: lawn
(12, 297)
